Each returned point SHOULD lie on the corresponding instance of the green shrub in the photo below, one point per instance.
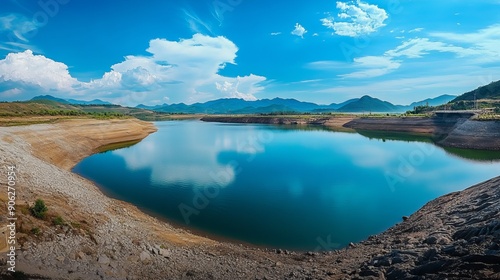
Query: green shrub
(39, 210)
(58, 221)
(35, 230)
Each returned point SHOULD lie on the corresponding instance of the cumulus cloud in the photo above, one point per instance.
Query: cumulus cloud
(183, 71)
(37, 70)
(356, 19)
(299, 30)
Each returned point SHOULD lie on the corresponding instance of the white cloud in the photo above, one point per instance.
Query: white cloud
(418, 47)
(356, 19)
(241, 87)
(372, 66)
(196, 24)
(326, 65)
(471, 48)
(299, 30)
(186, 70)
(17, 29)
(275, 33)
(36, 70)
(416, 30)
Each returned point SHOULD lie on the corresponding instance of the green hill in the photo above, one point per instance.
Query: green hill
(51, 107)
(491, 91)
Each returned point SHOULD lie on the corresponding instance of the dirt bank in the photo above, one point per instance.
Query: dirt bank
(455, 236)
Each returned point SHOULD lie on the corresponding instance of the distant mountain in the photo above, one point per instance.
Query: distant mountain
(50, 98)
(369, 104)
(491, 91)
(92, 102)
(440, 100)
(70, 101)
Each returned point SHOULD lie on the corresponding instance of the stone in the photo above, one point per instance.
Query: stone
(81, 255)
(145, 256)
(103, 259)
(431, 240)
(165, 253)
(60, 258)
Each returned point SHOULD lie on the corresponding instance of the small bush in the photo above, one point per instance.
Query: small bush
(35, 230)
(58, 221)
(76, 225)
(39, 210)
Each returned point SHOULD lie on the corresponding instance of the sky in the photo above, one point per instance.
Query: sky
(152, 52)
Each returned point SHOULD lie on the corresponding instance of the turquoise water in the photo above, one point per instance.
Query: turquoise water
(277, 187)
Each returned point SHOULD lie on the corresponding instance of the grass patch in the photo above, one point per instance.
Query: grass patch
(58, 221)
(36, 231)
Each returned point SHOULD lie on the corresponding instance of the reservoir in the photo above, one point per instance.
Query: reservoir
(283, 187)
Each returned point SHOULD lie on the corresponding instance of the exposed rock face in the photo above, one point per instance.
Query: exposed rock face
(456, 236)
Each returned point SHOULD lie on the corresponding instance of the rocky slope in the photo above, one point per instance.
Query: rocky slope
(454, 237)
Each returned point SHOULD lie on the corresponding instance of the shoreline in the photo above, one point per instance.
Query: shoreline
(452, 130)
(116, 240)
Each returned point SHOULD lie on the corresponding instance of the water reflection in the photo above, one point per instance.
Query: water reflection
(188, 155)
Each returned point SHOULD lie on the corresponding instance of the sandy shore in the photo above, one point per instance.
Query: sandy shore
(108, 239)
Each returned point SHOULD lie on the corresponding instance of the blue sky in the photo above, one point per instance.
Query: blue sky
(323, 51)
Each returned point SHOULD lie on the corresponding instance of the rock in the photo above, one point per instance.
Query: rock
(81, 255)
(145, 256)
(429, 268)
(113, 264)
(351, 245)
(431, 240)
(368, 271)
(164, 252)
(405, 218)
(103, 259)
(60, 258)
(430, 255)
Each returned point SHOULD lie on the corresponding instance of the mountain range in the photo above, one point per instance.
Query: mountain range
(263, 106)
(71, 101)
(266, 106)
